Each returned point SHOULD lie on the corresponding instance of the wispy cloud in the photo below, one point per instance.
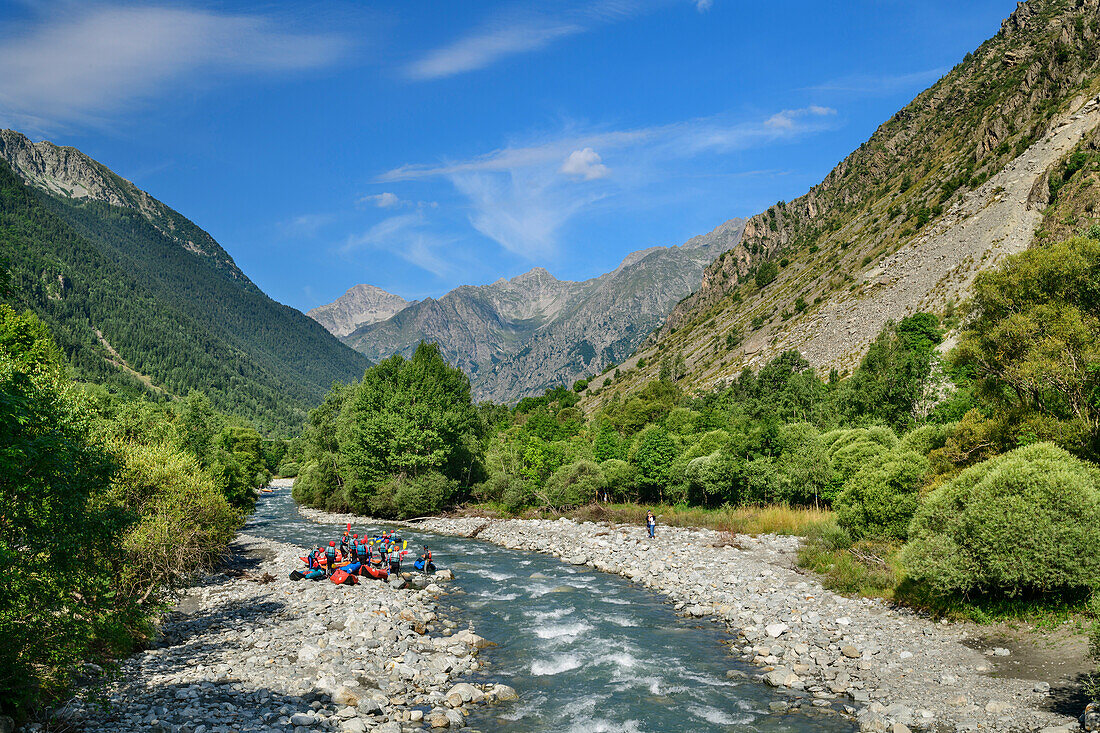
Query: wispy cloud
(406, 236)
(519, 32)
(305, 225)
(521, 196)
(786, 119)
(879, 83)
(80, 63)
(704, 5)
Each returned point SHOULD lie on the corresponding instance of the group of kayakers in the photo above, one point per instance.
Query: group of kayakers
(376, 557)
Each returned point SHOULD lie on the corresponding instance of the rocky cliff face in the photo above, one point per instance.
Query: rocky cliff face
(516, 337)
(946, 187)
(361, 305)
(67, 173)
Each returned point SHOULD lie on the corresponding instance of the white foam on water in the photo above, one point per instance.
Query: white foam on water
(620, 659)
(555, 665)
(556, 631)
(599, 725)
(621, 620)
(554, 615)
(615, 601)
(491, 575)
(717, 716)
(500, 596)
(530, 705)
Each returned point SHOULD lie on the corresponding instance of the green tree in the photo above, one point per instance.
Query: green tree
(653, 456)
(880, 499)
(1034, 341)
(408, 418)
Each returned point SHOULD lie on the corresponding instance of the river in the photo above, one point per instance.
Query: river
(587, 651)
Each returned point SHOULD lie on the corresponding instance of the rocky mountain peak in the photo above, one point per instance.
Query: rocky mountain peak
(359, 306)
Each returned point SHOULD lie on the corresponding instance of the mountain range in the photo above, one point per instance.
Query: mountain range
(517, 337)
(140, 298)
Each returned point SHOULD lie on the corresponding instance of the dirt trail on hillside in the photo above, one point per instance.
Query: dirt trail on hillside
(998, 218)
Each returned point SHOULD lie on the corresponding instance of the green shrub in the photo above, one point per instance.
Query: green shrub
(1094, 630)
(926, 438)
(185, 521)
(574, 485)
(418, 496)
(517, 494)
(850, 450)
(288, 469)
(622, 478)
(1020, 524)
(880, 499)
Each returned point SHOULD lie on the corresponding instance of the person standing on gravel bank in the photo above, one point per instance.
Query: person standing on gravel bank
(650, 522)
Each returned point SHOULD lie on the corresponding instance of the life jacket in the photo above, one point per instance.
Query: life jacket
(364, 550)
(330, 554)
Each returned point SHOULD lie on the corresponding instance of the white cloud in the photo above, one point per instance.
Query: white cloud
(482, 49)
(407, 237)
(585, 164)
(515, 33)
(385, 200)
(519, 197)
(785, 120)
(81, 63)
(704, 5)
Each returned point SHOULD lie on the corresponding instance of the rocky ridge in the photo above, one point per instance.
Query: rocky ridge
(360, 305)
(251, 650)
(69, 174)
(516, 337)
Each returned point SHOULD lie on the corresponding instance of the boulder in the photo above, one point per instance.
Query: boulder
(782, 677)
(344, 696)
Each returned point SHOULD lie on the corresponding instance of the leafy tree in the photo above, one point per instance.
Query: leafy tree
(408, 418)
(653, 457)
(622, 478)
(573, 485)
(892, 377)
(1034, 340)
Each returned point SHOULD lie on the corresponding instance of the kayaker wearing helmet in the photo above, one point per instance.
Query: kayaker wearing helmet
(330, 556)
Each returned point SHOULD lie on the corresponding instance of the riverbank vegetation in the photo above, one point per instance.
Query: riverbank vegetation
(945, 481)
(106, 505)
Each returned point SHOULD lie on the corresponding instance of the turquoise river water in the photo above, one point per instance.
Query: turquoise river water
(587, 651)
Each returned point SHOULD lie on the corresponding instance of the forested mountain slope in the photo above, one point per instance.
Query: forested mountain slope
(948, 186)
(517, 337)
(139, 296)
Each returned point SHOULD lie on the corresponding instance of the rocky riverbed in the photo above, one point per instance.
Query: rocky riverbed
(891, 668)
(247, 649)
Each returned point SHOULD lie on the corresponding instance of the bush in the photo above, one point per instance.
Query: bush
(185, 524)
(850, 450)
(926, 438)
(417, 496)
(574, 485)
(802, 467)
(880, 499)
(1024, 523)
(622, 478)
(288, 469)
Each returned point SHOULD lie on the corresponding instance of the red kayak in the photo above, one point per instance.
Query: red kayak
(342, 577)
(376, 572)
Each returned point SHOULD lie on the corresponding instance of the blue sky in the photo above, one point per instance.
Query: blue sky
(418, 146)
